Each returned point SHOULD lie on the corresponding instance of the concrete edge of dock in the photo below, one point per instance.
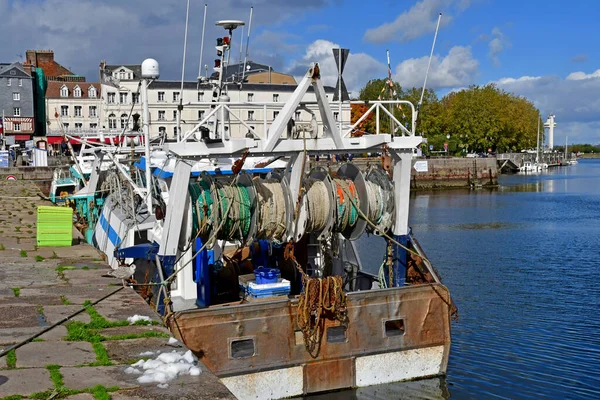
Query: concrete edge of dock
(88, 356)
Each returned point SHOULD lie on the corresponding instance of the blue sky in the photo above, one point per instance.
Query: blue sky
(544, 50)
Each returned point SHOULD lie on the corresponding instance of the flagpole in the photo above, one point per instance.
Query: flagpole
(340, 88)
(427, 73)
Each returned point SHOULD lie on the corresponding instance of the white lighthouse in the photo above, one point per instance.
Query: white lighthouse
(550, 124)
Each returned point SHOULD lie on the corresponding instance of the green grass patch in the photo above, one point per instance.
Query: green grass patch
(13, 397)
(30, 212)
(65, 301)
(102, 393)
(16, 291)
(18, 228)
(102, 358)
(60, 270)
(54, 256)
(37, 339)
(23, 253)
(85, 268)
(39, 258)
(2, 245)
(11, 359)
(40, 309)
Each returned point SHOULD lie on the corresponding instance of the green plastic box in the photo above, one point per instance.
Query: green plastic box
(54, 226)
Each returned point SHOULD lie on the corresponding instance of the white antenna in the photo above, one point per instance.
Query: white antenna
(241, 50)
(428, 66)
(247, 44)
(202, 45)
(180, 106)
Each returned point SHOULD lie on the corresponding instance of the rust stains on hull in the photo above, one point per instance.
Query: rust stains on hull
(248, 338)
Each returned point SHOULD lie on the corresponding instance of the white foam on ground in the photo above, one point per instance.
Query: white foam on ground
(136, 318)
(165, 367)
(163, 385)
(172, 340)
(147, 353)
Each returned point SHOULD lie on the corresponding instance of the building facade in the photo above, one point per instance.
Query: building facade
(73, 107)
(121, 102)
(17, 101)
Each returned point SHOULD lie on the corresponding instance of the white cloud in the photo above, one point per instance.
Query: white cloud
(359, 68)
(419, 20)
(82, 33)
(458, 68)
(577, 76)
(497, 45)
(574, 100)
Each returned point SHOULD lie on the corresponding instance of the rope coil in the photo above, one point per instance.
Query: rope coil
(271, 208)
(376, 202)
(317, 204)
(347, 204)
(236, 222)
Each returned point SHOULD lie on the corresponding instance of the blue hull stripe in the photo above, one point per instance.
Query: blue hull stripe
(113, 236)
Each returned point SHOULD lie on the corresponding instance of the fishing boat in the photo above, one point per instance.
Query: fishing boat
(250, 254)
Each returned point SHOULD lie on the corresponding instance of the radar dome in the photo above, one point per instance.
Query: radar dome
(150, 69)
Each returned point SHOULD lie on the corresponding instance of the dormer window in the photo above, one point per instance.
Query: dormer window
(92, 92)
(77, 91)
(64, 91)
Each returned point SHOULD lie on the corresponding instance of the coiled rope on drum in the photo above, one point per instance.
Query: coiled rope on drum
(202, 218)
(272, 211)
(317, 205)
(237, 222)
(347, 208)
(376, 202)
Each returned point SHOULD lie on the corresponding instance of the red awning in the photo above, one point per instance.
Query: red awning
(22, 137)
(54, 139)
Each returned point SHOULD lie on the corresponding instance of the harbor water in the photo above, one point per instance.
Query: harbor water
(520, 262)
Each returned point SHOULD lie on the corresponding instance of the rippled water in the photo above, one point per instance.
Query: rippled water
(521, 264)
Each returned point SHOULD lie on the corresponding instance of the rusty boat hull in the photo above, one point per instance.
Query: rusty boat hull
(257, 350)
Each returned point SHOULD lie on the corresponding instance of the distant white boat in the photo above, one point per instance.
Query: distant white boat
(529, 166)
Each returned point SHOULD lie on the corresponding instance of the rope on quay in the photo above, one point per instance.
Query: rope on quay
(29, 339)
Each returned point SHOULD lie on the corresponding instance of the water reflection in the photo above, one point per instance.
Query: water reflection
(430, 389)
(520, 263)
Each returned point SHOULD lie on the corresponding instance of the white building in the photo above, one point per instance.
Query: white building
(72, 107)
(262, 102)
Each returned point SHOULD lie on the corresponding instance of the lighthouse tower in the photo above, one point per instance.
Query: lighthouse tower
(550, 124)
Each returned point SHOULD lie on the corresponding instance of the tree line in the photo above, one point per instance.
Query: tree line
(475, 119)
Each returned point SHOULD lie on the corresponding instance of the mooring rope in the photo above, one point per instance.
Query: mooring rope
(317, 204)
(271, 208)
(347, 204)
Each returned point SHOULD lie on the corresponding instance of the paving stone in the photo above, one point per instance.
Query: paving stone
(56, 313)
(24, 381)
(80, 396)
(2, 360)
(19, 315)
(94, 277)
(124, 396)
(133, 329)
(126, 351)
(61, 353)
(125, 304)
(55, 334)
(75, 294)
(87, 377)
